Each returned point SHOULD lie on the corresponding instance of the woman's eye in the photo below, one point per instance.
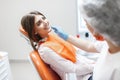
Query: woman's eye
(43, 17)
(38, 23)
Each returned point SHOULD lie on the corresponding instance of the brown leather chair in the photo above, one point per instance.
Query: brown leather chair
(44, 70)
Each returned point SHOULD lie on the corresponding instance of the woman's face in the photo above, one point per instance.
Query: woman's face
(42, 26)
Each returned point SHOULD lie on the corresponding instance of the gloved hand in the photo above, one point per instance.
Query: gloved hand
(60, 32)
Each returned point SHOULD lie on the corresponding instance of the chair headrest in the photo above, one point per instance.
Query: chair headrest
(23, 31)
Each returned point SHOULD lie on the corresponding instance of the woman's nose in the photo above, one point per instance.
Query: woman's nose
(45, 22)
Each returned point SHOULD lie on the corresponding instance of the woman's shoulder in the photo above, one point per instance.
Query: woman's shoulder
(43, 49)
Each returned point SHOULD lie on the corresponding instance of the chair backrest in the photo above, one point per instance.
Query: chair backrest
(44, 70)
(23, 31)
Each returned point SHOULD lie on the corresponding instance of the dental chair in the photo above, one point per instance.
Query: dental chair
(42, 69)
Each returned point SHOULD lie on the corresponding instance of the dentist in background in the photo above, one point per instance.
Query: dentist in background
(103, 20)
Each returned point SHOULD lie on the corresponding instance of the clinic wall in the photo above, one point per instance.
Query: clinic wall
(59, 12)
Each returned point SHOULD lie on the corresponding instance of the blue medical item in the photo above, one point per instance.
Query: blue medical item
(60, 32)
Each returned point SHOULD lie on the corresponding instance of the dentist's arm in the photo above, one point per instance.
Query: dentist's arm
(78, 42)
(82, 44)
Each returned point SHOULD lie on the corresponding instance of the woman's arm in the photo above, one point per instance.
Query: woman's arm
(52, 58)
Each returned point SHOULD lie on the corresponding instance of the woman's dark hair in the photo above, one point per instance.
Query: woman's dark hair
(28, 23)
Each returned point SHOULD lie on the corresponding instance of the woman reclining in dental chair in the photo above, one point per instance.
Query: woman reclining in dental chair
(54, 51)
